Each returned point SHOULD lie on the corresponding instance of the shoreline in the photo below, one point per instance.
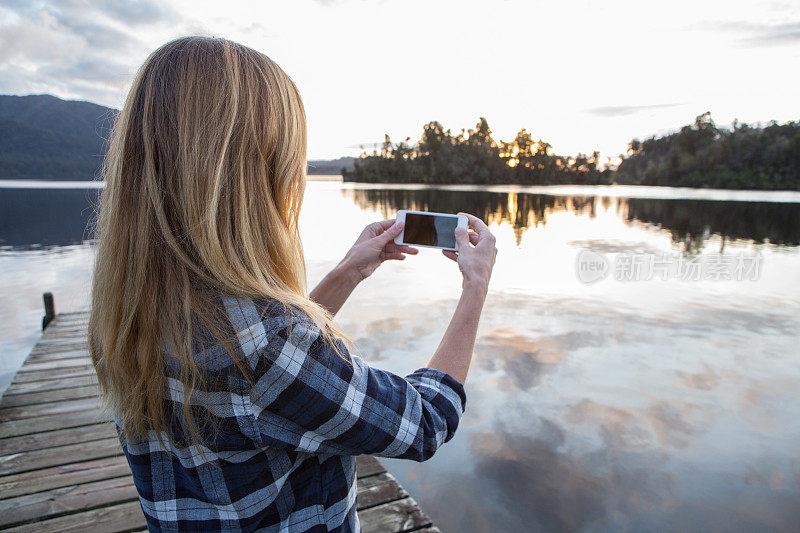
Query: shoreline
(605, 191)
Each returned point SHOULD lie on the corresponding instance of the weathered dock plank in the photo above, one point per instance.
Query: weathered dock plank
(34, 398)
(55, 364)
(67, 499)
(46, 479)
(61, 466)
(48, 385)
(15, 428)
(22, 412)
(58, 437)
(123, 517)
(377, 489)
(58, 455)
(85, 369)
(397, 516)
(52, 356)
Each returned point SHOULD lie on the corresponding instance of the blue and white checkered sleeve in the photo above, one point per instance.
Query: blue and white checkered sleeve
(308, 397)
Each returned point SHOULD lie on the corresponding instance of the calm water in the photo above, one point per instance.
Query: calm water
(659, 404)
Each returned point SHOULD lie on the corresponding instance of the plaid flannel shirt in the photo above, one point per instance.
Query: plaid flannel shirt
(280, 456)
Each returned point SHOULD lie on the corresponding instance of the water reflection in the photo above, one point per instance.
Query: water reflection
(659, 405)
(638, 423)
(652, 406)
(542, 488)
(520, 210)
(43, 217)
(32, 218)
(522, 360)
(539, 483)
(690, 222)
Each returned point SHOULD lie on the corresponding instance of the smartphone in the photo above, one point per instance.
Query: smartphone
(432, 230)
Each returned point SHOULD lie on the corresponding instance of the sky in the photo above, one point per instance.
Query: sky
(582, 75)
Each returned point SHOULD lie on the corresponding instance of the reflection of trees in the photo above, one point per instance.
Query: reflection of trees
(520, 210)
(693, 221)
(31, 217)
(46, 217)
(689, 221)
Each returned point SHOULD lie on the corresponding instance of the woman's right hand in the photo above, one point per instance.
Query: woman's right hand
(476, 253)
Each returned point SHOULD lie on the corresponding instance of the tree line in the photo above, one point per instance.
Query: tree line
(704, 155)
(698, 155)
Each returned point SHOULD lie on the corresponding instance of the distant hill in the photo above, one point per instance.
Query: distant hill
(46, 138)
(332, 166)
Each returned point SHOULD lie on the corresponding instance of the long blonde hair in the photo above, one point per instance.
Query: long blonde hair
(205, 175)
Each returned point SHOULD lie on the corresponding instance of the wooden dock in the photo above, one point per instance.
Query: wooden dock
(61, 466)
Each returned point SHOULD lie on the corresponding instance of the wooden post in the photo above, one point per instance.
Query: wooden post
(49, 309)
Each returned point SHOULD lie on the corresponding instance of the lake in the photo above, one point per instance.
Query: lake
(637, 363)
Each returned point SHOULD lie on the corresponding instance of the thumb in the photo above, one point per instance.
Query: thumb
(389, 235)
(462, 238)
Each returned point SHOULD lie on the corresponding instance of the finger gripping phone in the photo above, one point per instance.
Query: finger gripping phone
(431, 230)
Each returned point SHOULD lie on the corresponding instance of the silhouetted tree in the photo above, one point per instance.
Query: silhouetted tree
(699, 155)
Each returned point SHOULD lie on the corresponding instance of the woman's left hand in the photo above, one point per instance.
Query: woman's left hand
(376, 245)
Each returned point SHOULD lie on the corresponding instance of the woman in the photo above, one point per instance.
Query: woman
(237, 403)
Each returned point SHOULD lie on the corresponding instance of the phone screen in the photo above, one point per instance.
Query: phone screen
(430, 230)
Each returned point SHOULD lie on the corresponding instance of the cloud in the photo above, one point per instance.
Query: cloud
(619, 428)
(706, 380)
(779, 34)
(139, 12)
(610, 246)
(76, 49)
(622, 110)
(677, 424)
(380, 336)
(542, 488)
(542, 484)
(754, 35)
(524, 360)
(645, 472)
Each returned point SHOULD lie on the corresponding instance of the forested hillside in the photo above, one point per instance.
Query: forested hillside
(46, 138)
(704, 155)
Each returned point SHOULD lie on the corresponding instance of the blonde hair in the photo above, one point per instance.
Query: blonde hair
(205, 175)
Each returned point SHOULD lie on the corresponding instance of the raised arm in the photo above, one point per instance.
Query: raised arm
(307, 393)
(475, 257)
